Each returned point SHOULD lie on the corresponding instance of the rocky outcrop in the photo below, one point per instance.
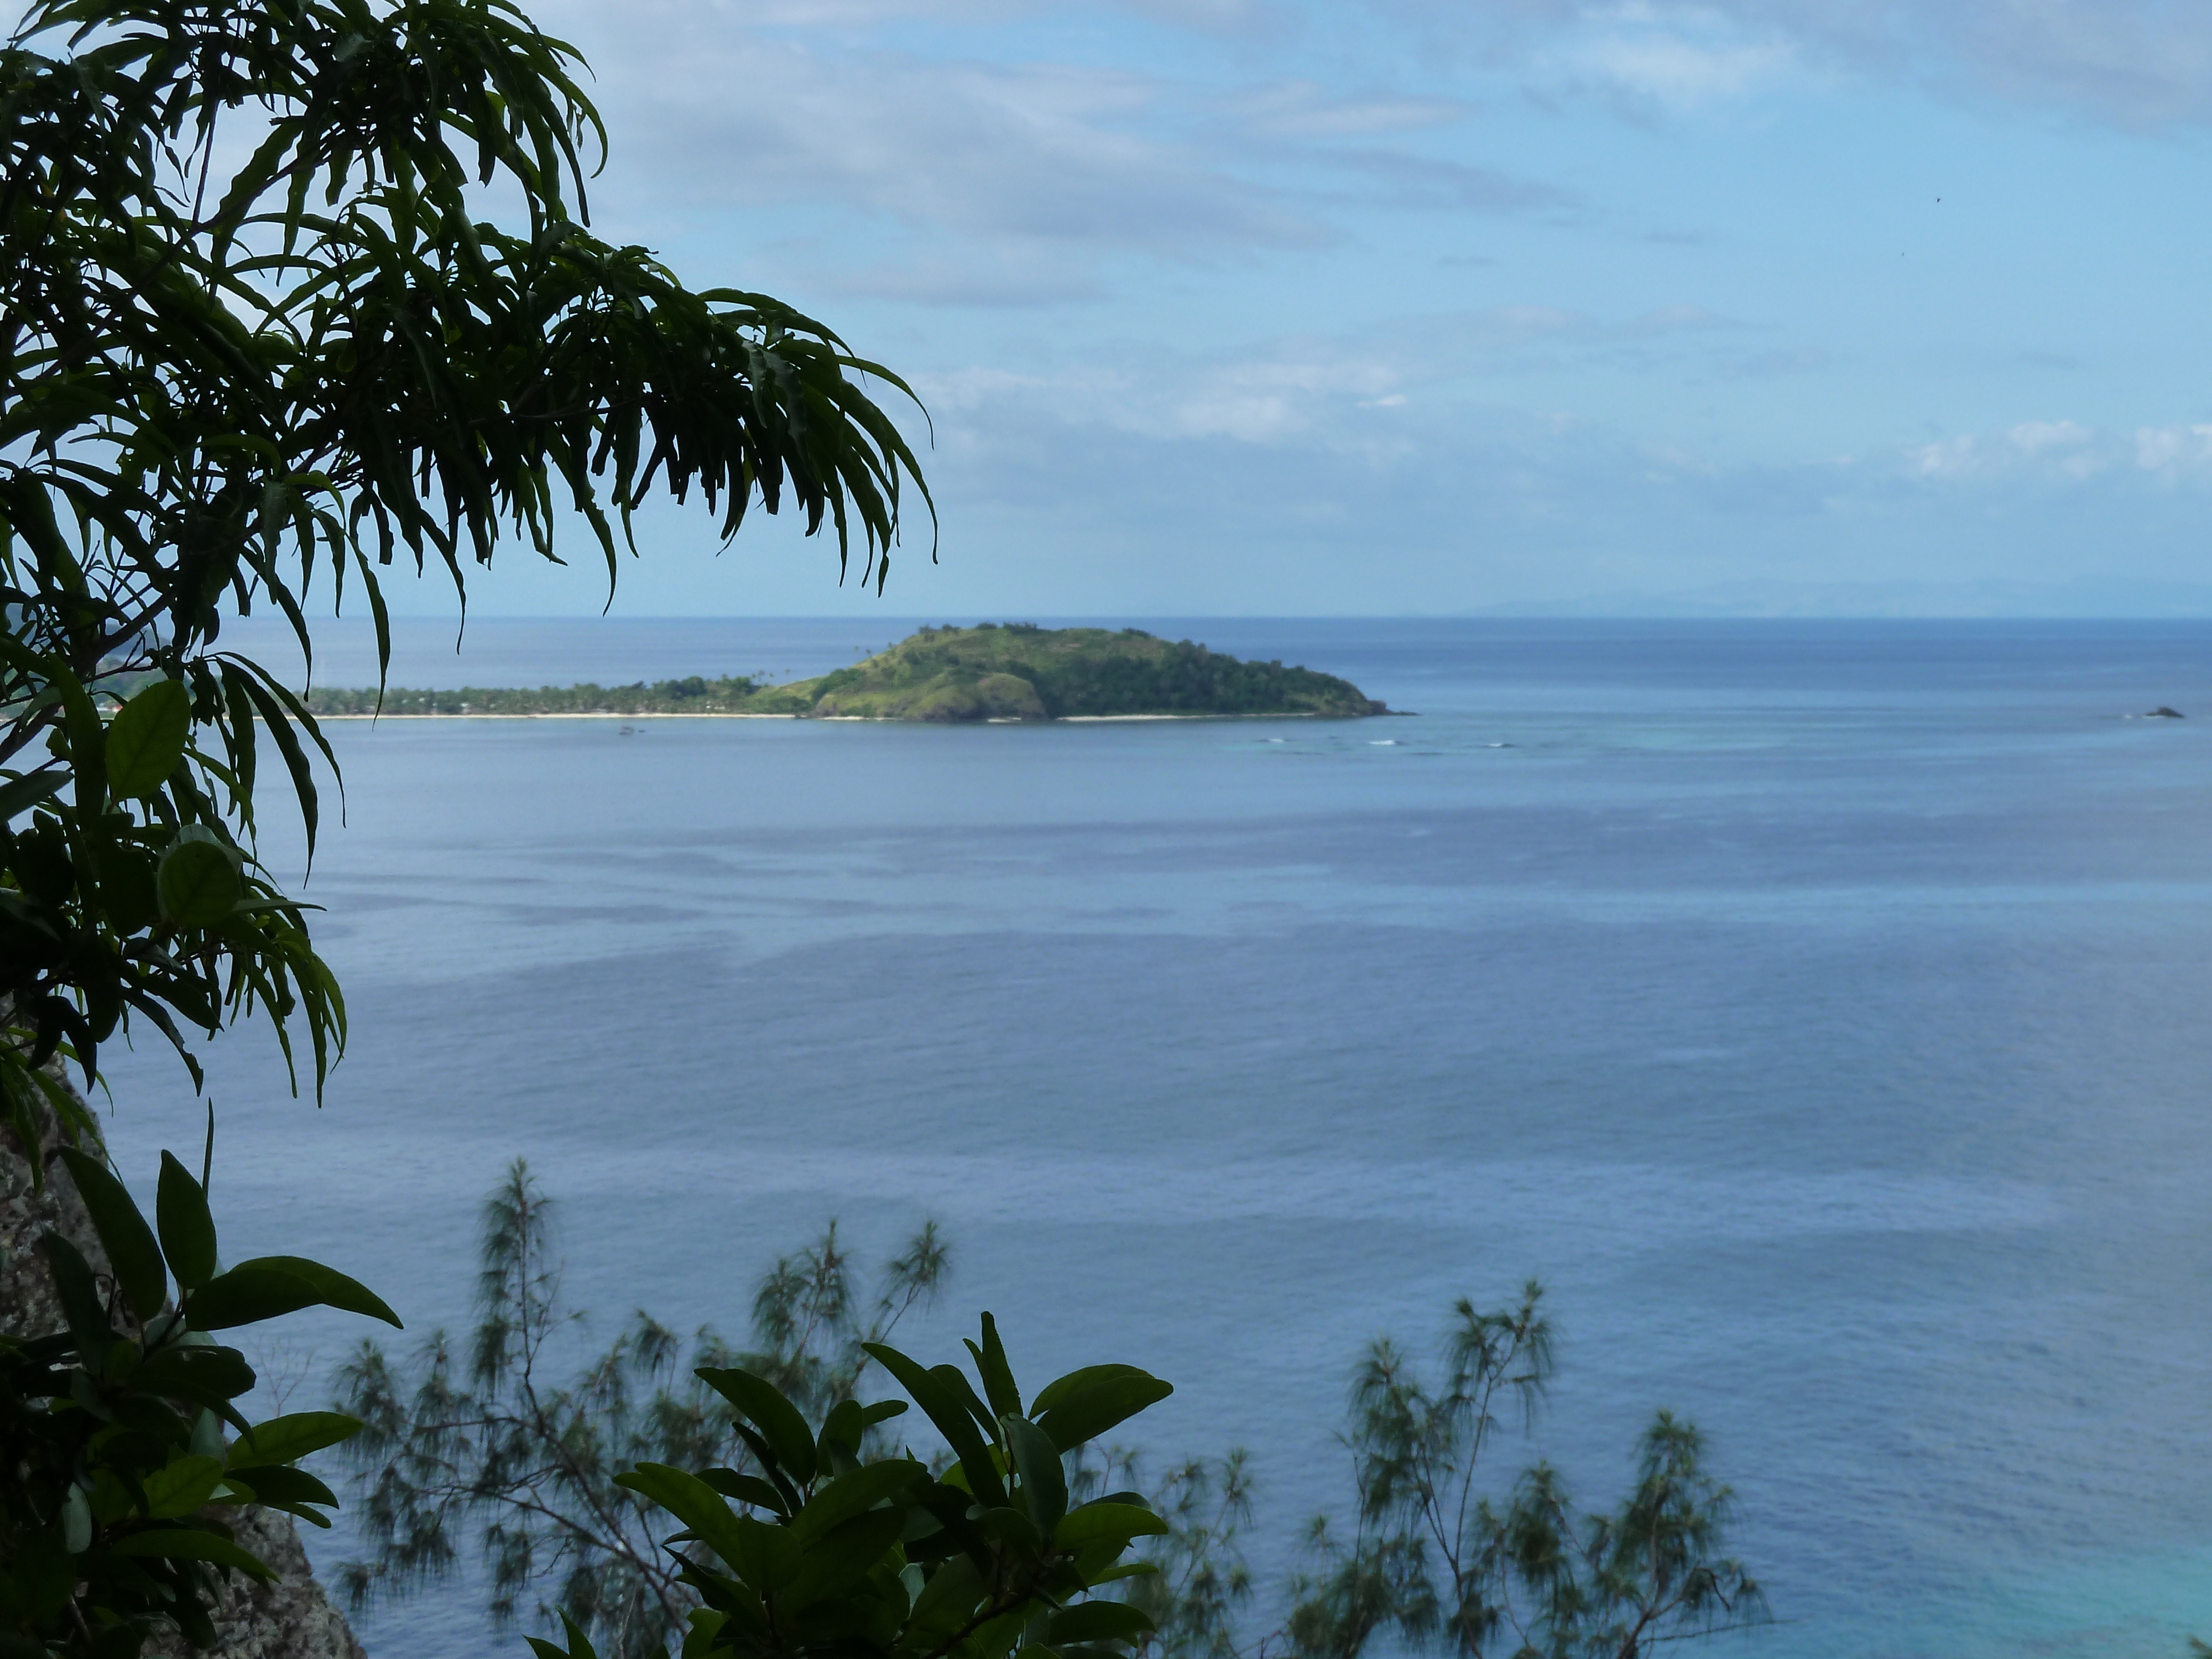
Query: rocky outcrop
(291, 1619)
(27, 1213)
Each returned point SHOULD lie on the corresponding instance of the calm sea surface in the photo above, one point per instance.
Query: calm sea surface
(1819, 1010)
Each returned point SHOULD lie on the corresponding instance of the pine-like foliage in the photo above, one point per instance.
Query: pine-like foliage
(488, 1446)
(1444, 1557)
(1198, 1582)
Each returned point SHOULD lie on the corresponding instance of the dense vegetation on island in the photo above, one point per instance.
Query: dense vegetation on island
(1014, 671)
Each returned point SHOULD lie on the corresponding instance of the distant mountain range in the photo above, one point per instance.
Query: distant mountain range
(2085, 599)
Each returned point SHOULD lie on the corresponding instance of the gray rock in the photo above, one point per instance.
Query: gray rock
(26, 1293)
(291, 1619)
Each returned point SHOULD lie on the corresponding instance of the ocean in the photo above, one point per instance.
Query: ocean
(1819, 1010)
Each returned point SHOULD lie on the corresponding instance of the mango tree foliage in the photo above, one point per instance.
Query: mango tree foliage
(256, 334)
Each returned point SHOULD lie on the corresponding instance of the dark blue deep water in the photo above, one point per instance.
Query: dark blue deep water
(1819, 1010)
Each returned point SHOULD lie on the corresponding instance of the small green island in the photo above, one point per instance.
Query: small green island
(992, 671)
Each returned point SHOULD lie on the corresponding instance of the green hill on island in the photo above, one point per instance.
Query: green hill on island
(1004, 671)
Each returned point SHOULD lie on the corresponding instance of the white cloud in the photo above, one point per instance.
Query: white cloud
(712, 112)
(1273, 473)
(1948, 457)
(2136, 63)
(1299, 391)
(2043, 453)
(1305, 110)
(2173, 454)
(1048, 153)
(2144, 64)
(1653, 62)
(1422, 181)
(2036, 437)
(987, 181)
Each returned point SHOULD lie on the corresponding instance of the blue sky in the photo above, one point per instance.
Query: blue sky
(1398, 306)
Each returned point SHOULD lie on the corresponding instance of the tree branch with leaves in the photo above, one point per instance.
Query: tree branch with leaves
(1452, 1561)
(253, 335)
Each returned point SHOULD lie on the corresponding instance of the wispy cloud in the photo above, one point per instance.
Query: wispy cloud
(1370, 281)
(2175, 454)
(1301, 110)
(1401, 179)
(996, 181)
(2135, 64)
(2042, 453)
(1048, 153)
(1316, 450)
(1313, 389)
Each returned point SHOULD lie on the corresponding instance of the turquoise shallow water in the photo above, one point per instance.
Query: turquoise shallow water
(1819, 1009)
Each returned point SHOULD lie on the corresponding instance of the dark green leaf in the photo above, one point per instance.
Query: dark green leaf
(955, 1385)
(1036, 1460)
(181, 1486)
(998, 1377)
(1008, 1526)
(579, 1645)
(952, 1416)
(1090, 1408)
(188, 1544)
(842, 1430)
(760, 1554)
(20, 795)
(295, 1489)
(776, 1417)
(277, 713)
(122, 1232)
(270, 1286)
(854, 1493)
(128, 891)
(187, 1230)
(947, 1601)
(1098, 1621)
(209, 1376)
(1125, 1570)
(1054, 1392)
(746, 1488)
(147, 739)
(1106, 1523)
(78, 1292)
(199, 883)
(287, 1439)
(834, 1563)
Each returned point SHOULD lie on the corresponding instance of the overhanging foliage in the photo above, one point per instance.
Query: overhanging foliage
(254, 333)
